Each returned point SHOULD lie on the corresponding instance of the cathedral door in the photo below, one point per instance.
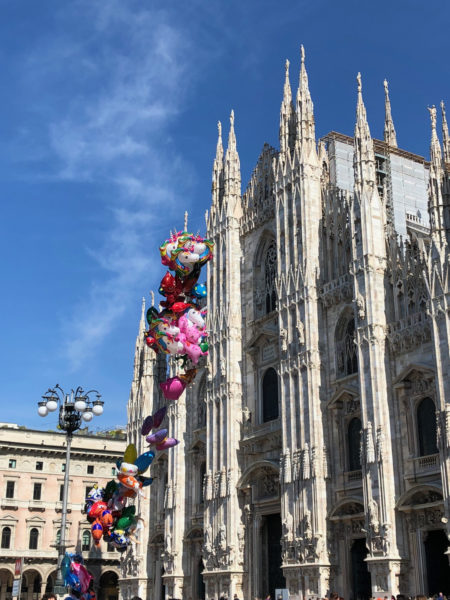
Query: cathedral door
(361, 581)
(438, 569)
(200, 582)
(275, 577)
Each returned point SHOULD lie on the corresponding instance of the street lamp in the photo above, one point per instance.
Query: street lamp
(73, 409)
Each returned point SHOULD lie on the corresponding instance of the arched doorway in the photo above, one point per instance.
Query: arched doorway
(438, 569)
(6, 581)
(108, 586)
(49, 586)
(361, 581)
(272, 546)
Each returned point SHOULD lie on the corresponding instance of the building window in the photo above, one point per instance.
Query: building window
(10, 489)
(63, 467)
(347, 359)
(39, 465)
(90, 469)
(354, 444)
(201, 482)
(61, 492)
(270, 273)
(6, 537)
(12, 463)
(37, 490)
(110, 547)
(86, 540)
(34, 538)
(87, 489)
(113, 471)
(426, 424)
(270, 395)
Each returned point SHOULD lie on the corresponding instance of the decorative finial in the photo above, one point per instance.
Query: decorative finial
(358, 79)
(206, 218)
(185, 220)
(302, 53)
(432, 111)
(286, 66)
(219, 128)
(152, 294)
(232, 118)
(386, 87)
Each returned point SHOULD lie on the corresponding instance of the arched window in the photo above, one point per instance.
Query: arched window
(354, 444)
(34, 538)
(270, 273)
(347, 359)
(6, 537)
(86, 540)
(270, 395)
(200, 483)
(201, 404)
(426, 425)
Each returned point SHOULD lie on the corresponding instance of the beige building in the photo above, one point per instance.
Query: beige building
(32, 465)
(314, 444)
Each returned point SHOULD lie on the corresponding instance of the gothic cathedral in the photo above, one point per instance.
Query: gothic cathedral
(314, 449)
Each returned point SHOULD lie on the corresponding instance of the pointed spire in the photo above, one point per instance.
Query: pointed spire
(217, 174)
(232, 168)
(185, 220)
(364, 157)
(435, 199)
(390, 136)
(445, 137)
(287, 114)
(305, 108)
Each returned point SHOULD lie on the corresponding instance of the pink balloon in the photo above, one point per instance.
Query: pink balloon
(173, 388)
(168, 443)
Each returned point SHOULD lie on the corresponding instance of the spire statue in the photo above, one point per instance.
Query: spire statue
(390, 136)
(287, 115)
(364, 157)
(305, 108)
(445, 136)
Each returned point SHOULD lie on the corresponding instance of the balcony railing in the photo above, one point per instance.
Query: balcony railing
(36, 505)
(10, 503)
(427, 463)
(353, 475)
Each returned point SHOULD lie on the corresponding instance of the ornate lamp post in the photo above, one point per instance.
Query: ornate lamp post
(73, 409)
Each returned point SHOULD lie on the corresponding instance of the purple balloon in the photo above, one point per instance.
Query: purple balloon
(147, 426)
(168, 443)
(158, 417)
(157, 437)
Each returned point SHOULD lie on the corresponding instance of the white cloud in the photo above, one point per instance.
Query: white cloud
(129, 72)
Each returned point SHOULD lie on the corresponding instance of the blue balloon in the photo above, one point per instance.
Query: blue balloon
(199, 290)
(144, 461)
(146, 481)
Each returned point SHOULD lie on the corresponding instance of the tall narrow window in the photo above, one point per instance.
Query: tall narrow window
(270, 395)
(37, 491)
(354, 444)
(6, 537)
(426, 424)
(86, 541)
(61, 492)
(34, 538)
(270, 273)
(10, 489)
(58, 537)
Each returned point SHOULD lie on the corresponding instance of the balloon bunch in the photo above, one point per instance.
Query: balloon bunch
(75, 574)
(180, 329)
(106, 507)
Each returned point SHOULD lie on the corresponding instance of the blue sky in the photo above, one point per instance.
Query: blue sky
(108, 131)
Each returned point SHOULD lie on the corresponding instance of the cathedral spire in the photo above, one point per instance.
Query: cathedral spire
(305, 108)
(364, 157)
(445, 137)
(232, 167)
(435, 197)
(217, 174)
(390, 136)
(287, 114)
(142, 321)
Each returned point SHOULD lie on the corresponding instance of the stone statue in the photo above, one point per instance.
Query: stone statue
(222, 538)
(207, 544)
(283, 340)
(373, 516)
